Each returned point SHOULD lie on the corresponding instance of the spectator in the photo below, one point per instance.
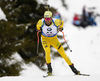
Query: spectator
(87, 18)
(84, 14)
(76, 20)
(91, 19)
(84, 22)
(57, 15)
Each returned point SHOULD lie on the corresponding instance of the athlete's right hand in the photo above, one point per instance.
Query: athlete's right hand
(38, 31)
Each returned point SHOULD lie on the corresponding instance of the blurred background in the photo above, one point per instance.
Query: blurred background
(18, 36)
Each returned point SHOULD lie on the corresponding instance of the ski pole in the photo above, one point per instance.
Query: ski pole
(37, 41)
(66, 41)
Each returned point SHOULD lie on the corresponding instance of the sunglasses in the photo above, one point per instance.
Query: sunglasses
(47, 18)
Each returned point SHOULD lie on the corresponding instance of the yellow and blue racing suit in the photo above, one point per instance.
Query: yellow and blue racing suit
(49, 37)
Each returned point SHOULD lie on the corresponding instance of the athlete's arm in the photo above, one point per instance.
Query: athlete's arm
(59, 23)
(39, 25)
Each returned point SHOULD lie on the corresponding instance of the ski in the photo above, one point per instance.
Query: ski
(78, 74)
(47, 76)
(84, 74)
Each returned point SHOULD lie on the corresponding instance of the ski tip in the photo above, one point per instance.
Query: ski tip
(84, 74)
(44, 76)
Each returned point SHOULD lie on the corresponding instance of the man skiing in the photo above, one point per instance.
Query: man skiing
(49, 27)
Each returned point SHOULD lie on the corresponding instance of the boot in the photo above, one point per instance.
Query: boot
(49, 69)
(74, 69)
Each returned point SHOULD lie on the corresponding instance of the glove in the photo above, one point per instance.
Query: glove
(61, 29)
(38, 31)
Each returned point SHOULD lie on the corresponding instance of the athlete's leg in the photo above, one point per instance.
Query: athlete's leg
(46, 47)
(56, 44)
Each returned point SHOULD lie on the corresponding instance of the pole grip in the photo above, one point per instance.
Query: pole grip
(64, 36)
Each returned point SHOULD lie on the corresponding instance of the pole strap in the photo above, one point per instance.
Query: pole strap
(64, 36)
(38, 36)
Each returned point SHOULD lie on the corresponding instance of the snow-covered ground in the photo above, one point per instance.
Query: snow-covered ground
(85, 44)
(2, 15)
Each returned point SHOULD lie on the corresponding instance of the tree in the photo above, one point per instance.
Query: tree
(18, 33)
(9, 44)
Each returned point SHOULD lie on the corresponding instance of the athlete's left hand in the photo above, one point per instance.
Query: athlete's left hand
(61, 29)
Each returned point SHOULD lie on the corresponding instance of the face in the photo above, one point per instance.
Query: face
(48, 21)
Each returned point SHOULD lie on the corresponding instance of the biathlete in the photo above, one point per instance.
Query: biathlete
(48, 27)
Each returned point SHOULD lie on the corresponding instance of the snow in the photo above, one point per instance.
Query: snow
(85, 45)
(2, 15)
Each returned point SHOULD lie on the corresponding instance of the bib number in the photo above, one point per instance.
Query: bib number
(49, 32)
